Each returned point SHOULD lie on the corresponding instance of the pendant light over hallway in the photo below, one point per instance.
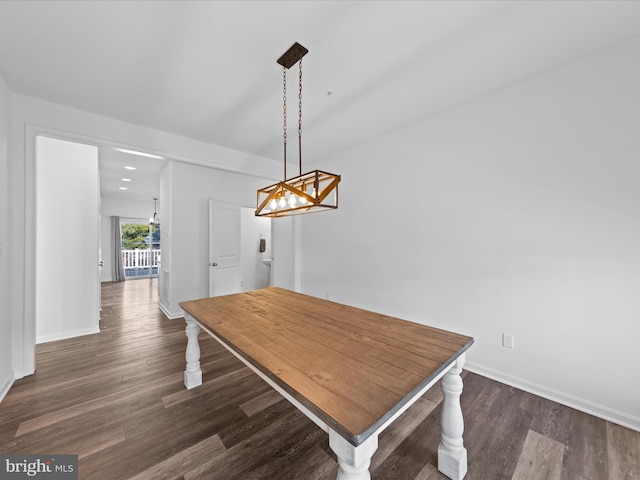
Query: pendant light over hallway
(313, 191)
(155, 220)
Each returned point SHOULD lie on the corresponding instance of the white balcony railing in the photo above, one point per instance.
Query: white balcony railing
(140, 262)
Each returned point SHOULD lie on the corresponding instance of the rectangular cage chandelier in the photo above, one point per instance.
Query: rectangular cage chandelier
(313, 191)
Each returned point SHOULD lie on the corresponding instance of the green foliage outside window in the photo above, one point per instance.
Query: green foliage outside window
(137, 236)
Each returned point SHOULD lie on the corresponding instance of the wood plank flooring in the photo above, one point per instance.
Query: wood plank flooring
(117, 400)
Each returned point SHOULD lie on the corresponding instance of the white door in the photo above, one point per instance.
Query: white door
(224, 248)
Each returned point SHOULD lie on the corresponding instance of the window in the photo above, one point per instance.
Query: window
(140, 249)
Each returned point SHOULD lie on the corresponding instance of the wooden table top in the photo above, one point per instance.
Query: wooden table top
(350, 367)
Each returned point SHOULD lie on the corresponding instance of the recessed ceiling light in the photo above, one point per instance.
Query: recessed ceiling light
(124, 188)
(129, 168)
(125, 179)
(134, 152)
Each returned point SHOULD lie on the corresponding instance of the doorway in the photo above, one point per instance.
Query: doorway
(239, 249)
(140, 248)
(256, 252)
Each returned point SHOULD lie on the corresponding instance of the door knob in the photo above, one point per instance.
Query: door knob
(213, 264)
(101, 263)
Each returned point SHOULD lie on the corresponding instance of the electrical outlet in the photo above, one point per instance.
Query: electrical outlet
(508, 340)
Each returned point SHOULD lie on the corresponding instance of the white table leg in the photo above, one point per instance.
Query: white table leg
(193, 373)
(452, 456)
(353, 462)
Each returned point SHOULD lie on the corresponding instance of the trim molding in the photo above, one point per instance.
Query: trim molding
(7, 386)
(601, 411)
(65, 335)
(168, 314)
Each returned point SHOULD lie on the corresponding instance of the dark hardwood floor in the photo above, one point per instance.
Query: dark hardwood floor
(117, 400)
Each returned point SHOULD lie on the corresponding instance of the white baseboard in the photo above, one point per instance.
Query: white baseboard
(65, 335)
(597, 410)
(168, 314)
(7, 386)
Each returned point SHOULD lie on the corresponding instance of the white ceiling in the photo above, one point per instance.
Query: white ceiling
(207, 69)
(144, 181)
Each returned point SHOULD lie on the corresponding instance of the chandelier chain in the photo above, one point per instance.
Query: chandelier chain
(284, 104)
(300, 99)
(284, 117)
(300, 116)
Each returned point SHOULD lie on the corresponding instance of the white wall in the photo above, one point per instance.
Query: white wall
(165, 211)
(67, 240)
(254, 273)
(186, 190)
(6, 367)
(125, 208)
(517, 213)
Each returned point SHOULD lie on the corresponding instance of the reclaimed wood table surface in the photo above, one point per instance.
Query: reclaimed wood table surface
(351, 371)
